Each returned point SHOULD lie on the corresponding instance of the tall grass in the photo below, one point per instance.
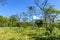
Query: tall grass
(16, 33)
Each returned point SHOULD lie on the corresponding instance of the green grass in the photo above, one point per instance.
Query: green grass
(16, 33)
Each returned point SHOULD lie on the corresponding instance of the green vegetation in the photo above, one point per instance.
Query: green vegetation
(23, 26)
(15, 33)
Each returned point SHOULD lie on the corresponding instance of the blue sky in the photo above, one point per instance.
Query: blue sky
(17, 6)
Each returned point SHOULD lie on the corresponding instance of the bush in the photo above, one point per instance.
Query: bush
(39, 23)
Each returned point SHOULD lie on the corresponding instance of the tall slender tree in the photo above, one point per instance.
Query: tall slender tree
(42, 6)
(32, 11)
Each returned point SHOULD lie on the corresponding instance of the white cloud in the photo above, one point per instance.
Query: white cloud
(35, 17)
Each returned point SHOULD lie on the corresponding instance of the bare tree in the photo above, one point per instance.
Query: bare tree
(32, 12)
(42, 6)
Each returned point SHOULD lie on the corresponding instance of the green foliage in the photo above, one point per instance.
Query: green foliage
(39, 23)
(20, 28)
(3, 21)
(16, 33)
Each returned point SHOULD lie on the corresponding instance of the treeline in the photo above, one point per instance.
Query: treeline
(14, 22)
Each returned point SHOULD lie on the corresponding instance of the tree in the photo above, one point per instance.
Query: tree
(24, 17)
(31, 9)
(51, 14)
(2, 2)
(3, 21)
(47, 10)
(39, 22)
(42, 6)
(19, 16)
(13, 20)
(32, 12)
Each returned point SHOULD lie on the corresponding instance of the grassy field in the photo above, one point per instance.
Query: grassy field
(15, 33)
